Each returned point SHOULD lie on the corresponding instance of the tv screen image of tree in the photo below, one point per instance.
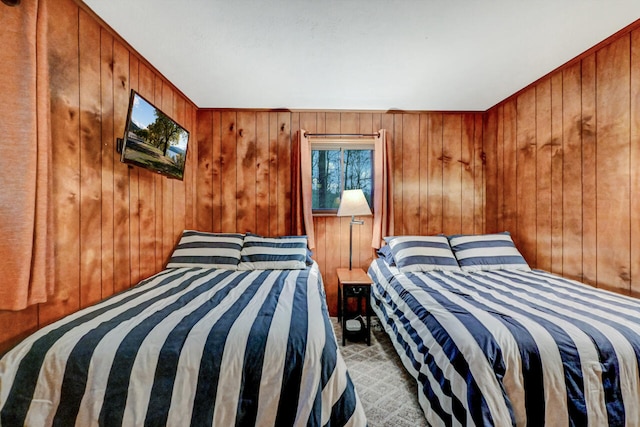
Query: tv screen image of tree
(154, 141)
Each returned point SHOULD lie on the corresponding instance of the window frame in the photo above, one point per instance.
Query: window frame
(342, 144)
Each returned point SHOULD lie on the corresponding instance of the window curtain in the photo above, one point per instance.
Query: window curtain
(382, 196)
(302, 219)
(383, 190)
(26, 243)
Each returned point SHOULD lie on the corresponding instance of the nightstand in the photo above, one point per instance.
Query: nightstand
(354, 283)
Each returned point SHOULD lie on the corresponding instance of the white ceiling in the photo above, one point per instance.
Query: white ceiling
(463, 55)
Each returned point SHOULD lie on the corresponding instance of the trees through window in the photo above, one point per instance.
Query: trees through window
(337, 168)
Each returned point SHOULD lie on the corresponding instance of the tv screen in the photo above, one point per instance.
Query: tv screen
(153, 140)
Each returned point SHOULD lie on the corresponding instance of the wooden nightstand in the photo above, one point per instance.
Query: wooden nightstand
(354, 283)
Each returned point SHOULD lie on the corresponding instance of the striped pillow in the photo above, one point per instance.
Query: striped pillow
(273, 253)
(422, 253)
(487, 252)
(207, 250)
(385, 253)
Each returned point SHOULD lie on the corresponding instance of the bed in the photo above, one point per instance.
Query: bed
(492, 342)
(224, 336)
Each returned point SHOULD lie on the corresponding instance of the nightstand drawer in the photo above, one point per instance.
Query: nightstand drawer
(356, 290)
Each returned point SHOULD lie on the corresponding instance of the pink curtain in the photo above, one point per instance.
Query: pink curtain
(26, 242)
(383, 190)
(302, 218)
(301, 189)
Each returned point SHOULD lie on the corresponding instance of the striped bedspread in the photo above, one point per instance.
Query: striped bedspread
(188, 346)
(512, 347)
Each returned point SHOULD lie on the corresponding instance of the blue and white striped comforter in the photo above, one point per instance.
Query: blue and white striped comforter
(188, 346)
(512, 347)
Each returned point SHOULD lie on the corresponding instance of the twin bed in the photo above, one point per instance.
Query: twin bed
(492, 342)
(235, 331)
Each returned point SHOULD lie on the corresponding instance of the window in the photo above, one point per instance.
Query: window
(336, 167)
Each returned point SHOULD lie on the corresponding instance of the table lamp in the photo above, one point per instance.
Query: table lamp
(353, 203)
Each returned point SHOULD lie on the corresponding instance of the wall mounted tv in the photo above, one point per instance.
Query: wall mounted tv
(152, 140)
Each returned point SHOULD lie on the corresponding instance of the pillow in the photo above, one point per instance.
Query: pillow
(487, 252)
(273, 253)
(422, 253)
(309, 260)
(207, 250)
(385, 253)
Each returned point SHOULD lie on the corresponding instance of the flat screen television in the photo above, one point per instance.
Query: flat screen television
(152, 140)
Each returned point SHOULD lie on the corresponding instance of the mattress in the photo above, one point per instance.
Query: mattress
(187, 346)
(513, 347)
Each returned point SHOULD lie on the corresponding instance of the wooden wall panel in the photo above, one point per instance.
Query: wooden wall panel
(479, 176)
(216, 174)
(526, 188)
(121, 91)
(489, 137)
(122, 229)
(65, 136)
(229, 165)
(612, 163)
(146, 186)
(204, 135)
(262, 173)
(286, 130)
(90, 161)
(192, 156)
(587, 136)
(557, 154)
(450, 159)
(423, 188)
(410, 173)
(106, 216)
(180, 201)
(398, 181)
(468, 184)
(273, 173)
(167, 236)
(572, 172)
(246, 172)
(157, 185)
(635, 162)
(510, 166)
(108, 160)
(543, 174)
(435, 177)
(499, 221)
(589, 203)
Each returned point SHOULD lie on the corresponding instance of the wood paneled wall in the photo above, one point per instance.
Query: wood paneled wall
(563, 167)
(113, 224)
(244, 177)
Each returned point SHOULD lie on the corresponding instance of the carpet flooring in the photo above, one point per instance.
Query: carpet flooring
(387, 392)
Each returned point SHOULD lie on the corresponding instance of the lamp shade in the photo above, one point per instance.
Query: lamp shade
(353, 203)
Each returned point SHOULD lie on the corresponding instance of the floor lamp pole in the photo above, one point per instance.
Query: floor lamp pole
(353, 221)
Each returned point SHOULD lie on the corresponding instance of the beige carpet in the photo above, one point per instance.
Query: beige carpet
(388, 393)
